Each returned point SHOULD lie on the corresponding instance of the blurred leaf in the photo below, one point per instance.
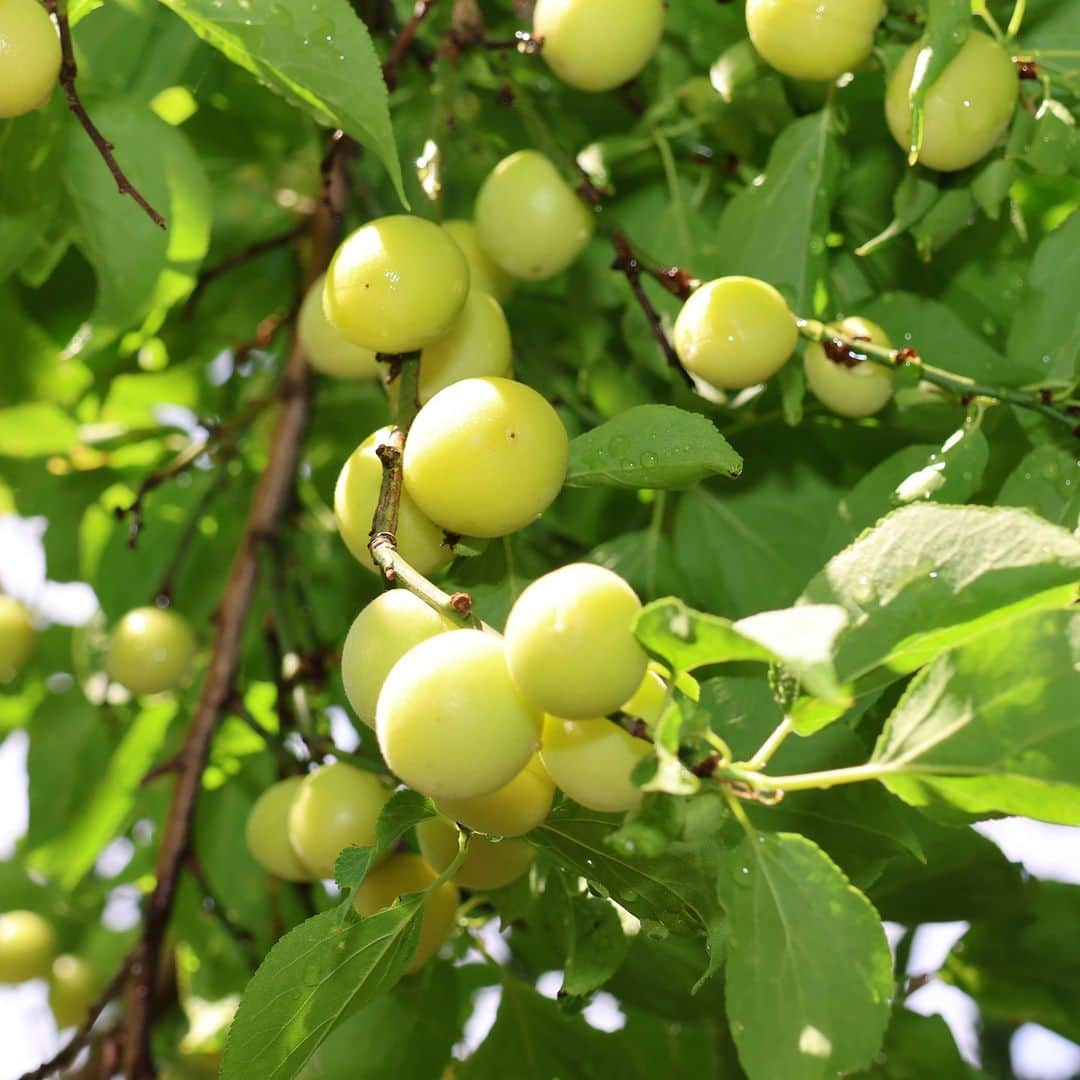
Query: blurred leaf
(36, 429)
(917, 1047)
(1046, 481)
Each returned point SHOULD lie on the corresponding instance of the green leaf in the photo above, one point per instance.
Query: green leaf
(311, 980)
(1047, 481)
(1026, 968)
(535, 1040)
(36, 429)
(800, 638)
(70, 855)
(645, 559)
(927, 578)
(385, 1029)
(675, 891)
(404, 810)
(776, 230)
(917, 1047)
(319, 56)
(651, 446)
(1044, 337)
(809, 973)
(993, 726)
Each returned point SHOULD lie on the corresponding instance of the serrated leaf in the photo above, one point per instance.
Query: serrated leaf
(809, 973)
(403, 810)
(993, 727)
(651, 446)
(928, 578)
(310, 981)
(800, 638)
(319, 56)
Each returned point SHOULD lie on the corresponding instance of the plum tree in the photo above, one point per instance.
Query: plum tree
(591, 761)
(597, 45)
(861, 390)
(734, 332)
(27, 946)
(488, 864)
(395, 284)
(379, 637)
(402, 874)
(356, 495)
(445, 700)
(570, 642)
(16, 637)
(477, 344)
(529, 220)
(29, 56)
(327, 351)
(151, 650)
(485, 457)
(267, 831)
(813, 39)
(967, 108)
(511, 810)
(334, 807)
(484, 274)
(73, 986)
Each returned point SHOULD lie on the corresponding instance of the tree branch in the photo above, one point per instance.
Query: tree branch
(404, 40)
(267, 507)
(68, 71)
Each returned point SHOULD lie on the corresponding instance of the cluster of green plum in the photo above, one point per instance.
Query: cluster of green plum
(28, 950)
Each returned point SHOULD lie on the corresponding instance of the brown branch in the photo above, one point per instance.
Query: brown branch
(68, 71)
(404, 41)
(627, 263)
(239, 258)
(268, 505)
(81, 1038)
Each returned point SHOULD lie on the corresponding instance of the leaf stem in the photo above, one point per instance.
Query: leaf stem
(841, 347)
(773, 743)
(1017, 20)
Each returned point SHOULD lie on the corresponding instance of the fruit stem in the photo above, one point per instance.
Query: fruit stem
(958, 385)
(397, 571)
(773, 743)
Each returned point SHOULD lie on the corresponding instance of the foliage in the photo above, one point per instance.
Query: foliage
(869, 626)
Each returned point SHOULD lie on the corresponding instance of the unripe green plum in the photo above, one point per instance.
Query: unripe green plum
(484, 274)
(529, 220)
(379, 637)
(488, 864)
(477, 344)
(402, 874)
(73, 987)
(327, 351)
(27, 946)
(16, 637)
(651, 696)
(570, 642)
(967, 108)
(485, 457)
(450, 721)
(29, 56)
(335, 807)
(395, 284)
(856, 391)
(734, 332)
(512, 810)
(592, 760)
(268, 831)
(150, 651)
(813, 39)
(356, 495)
(597, 45)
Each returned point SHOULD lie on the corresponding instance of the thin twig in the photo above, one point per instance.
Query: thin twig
(68, 72)
(626, 262)
(268, 505)
(848, 351)
(81, 1038)
(239, 258)
(404, 40)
